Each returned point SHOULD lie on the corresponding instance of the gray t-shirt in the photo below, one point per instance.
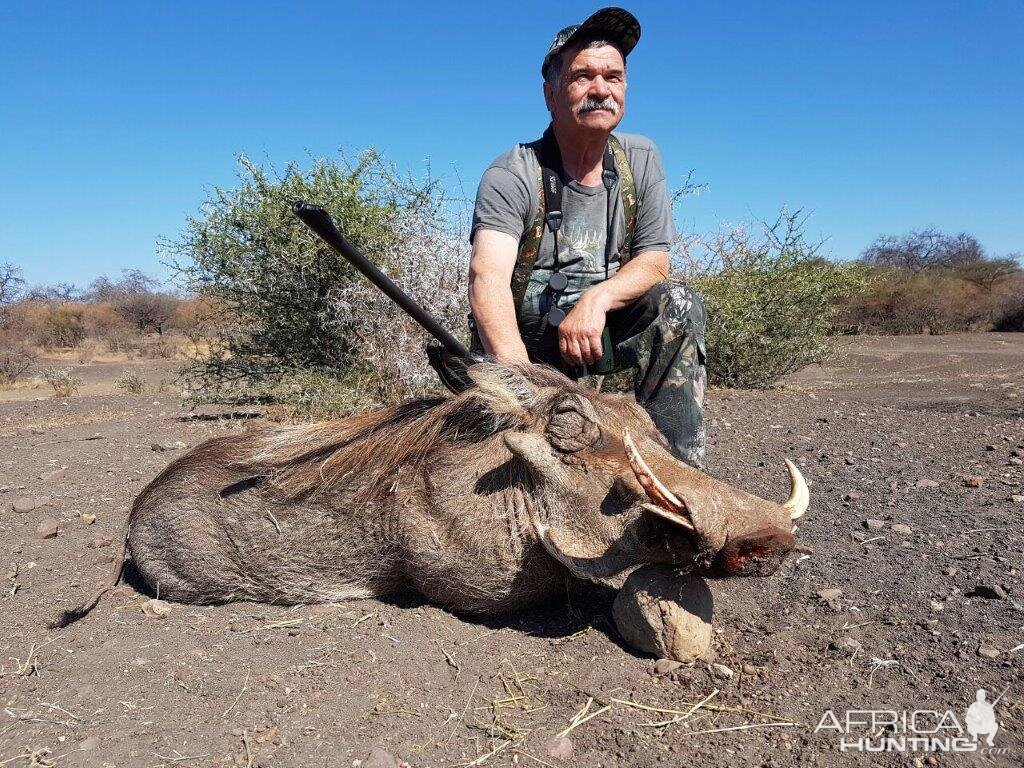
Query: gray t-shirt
(507, 201)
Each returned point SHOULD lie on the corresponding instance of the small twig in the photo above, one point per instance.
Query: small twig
(873, 538)
(250, 756)
(448, 657)
(278, 624)
(746, 727)
(483, 758)
(362, 619)
(181, 759)
(245, 687)
(582, 720)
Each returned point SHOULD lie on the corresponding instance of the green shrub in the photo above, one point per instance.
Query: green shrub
(283, 308)
(63, 381)
(771, 300)
(130, 382)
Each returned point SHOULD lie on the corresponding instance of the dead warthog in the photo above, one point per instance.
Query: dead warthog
(480, 502)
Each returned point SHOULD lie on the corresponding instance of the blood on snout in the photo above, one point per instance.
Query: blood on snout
(756, 554)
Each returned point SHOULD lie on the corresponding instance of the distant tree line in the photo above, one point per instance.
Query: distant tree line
(928, 281)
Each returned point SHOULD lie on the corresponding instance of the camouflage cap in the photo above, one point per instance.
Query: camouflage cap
(613, 24)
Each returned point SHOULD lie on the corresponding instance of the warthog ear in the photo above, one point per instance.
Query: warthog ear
(504, 390)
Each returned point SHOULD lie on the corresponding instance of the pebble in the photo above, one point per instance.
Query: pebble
(722, 671)
(1017, 499)
(99, 542)
(830, 594)
(853, 496)
(901, 528)
(666, 666)
(380, 758)
(24, 504)
(874, 525)
(90, 743)
(988, 652)
(749, 669)
(989, 592)
(177, 445)
(53, 474)
(974, 481)
(156, 609)
(926, 483)
(47, 528)
(1015, 462)
(559, 747)
(950, 570)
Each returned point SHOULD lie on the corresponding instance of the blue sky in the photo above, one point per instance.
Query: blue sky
(117, 118)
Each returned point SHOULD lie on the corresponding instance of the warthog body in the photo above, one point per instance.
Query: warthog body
(481, 502)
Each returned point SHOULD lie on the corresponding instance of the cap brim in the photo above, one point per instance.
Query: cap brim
(616, 24)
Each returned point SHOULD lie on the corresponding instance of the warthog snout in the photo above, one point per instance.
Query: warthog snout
(756, 554)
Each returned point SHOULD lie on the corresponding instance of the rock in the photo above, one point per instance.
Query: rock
(721, 671)
(177, 445)
(559, 747)
(874, 525)
(906, 530)
(849, 461)
(988, 652)
(749, 669)
(665, 613)
(47, 528)
(87, 517)
(990, 447)
(380, 758)
(926, 483)
(90, 743)
(24, 504)
(989, 592)
(666, 666)
(974, 481)
(1018, 452)
(156, 609)
(53, 474)
(950, 570)
(853, 496)
(99, 542)
(1015, 462)
(1017, 499)
(832, 593)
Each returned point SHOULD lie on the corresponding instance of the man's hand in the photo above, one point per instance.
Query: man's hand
(579, 335)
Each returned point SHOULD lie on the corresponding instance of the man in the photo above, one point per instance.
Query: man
(570, 242)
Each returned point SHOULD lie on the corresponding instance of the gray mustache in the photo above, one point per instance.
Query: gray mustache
(590, 104)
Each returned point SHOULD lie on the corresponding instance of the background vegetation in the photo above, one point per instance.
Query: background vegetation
(268, 314)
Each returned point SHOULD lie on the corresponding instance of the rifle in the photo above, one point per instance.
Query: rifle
(451, 359)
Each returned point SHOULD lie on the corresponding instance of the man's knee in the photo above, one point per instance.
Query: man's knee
(678, 304)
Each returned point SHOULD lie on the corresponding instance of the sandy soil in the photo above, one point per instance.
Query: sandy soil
(927, 614)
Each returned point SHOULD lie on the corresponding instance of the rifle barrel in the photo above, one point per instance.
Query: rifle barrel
(318, 220)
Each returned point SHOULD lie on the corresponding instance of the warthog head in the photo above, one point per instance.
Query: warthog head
(609, 495)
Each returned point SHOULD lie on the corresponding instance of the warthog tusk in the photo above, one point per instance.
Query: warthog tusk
(666, 504)
(674, 517)
(799, 495)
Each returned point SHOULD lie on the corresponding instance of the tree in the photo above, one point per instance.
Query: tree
(11, 283)
(922, 250)
(987, 273)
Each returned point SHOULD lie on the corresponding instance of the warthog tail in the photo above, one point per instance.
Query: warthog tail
(71, 615)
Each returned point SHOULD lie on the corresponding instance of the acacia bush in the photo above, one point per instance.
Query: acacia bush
(286, 319)
(771, 299)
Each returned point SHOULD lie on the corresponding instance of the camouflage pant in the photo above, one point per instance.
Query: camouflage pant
(661, 335)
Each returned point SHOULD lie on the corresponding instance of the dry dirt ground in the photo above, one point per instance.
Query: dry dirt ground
(930, 605)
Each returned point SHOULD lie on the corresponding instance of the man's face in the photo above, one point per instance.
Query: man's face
(591, 92)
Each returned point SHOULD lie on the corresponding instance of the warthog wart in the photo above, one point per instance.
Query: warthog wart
(480, 502)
